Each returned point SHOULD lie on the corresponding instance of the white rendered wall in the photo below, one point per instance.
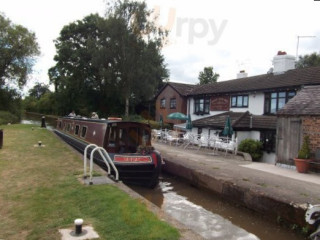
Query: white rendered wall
(256, 104)
(245, 135)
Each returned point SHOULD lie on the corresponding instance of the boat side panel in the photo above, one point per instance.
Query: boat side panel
(91, 132)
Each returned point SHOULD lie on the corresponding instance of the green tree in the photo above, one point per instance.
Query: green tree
(104, 63)
(311, 60)
(208, 76)
(18, 47)
(39, 90)
(141, 65)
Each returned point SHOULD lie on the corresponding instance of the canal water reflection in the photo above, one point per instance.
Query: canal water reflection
(209, 215)
(36, 120)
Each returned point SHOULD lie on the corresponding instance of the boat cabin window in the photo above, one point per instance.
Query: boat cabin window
(133, 137)
(60, 125)
(76, 131)
(112, 136)
(83, 132)
(125, 138)
(68, 127)
(145, 137)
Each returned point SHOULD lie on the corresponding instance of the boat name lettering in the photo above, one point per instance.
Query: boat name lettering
(144, 159)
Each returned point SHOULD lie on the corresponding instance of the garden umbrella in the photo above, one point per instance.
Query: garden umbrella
(227, 131)
(178, 116)
(189, 123)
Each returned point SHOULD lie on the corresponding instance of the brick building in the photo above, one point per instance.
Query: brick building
(300, 117)
(172, 98)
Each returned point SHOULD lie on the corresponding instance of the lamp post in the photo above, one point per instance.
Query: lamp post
(298, 44)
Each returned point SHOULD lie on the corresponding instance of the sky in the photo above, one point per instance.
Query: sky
(229, 35)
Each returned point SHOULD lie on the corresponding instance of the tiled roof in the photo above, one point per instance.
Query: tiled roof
(182, 88)
(290, 79)
(306, 102)
(239, 121)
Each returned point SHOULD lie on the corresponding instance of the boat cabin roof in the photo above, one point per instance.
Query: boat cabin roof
(102, 120)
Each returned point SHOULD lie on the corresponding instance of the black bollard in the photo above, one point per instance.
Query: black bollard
(43, 122)
(1, 138)
(78, 224)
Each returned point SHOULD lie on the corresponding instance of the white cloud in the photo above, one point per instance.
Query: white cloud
(252, 33)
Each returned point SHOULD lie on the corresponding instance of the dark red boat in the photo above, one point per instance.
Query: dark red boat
(127, 143)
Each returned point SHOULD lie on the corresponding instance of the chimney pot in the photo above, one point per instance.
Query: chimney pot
(242, 74)
(283, 62)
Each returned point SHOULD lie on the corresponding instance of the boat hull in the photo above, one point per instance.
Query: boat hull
(143, 174)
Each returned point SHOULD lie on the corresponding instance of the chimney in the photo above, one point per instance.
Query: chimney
(242, 74)
(283, 62)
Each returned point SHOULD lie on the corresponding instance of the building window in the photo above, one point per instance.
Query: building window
(274, 101)
(201, 106)
(173, 103)
(163, 103)
(268, 139)
(240, 101)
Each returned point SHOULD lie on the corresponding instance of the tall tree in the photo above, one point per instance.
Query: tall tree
(208, 76)
(78, 75)
(106, 62)
(18, 47)
(311, 60)
(140, 63)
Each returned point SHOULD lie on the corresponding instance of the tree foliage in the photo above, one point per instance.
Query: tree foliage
(311, 60)
(103, 64)
(208, 76)
(18, 47)
(38, 90)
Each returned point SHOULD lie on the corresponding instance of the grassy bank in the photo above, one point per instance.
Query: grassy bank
(40, 193)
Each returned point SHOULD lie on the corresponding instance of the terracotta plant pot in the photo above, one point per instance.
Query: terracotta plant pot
(302, 165)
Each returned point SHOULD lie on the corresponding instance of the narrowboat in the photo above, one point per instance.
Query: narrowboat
(127, 143)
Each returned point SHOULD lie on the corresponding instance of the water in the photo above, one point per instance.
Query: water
(30, 118)
(210, 215)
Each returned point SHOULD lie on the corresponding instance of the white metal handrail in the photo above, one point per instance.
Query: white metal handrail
(105, 156)
(85, 159)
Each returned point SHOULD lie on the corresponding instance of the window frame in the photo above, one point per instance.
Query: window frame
(205, 109)
(163, 103)
(85, 132)
(173, 103)
(275, 97)
(77, 130)
(237, 99)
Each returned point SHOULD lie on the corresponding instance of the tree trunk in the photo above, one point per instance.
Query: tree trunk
(126, 113)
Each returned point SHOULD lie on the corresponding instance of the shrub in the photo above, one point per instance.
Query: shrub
(253, 147)
(6, 117)
(304, 152)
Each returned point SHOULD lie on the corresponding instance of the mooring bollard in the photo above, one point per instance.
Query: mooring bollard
(43, 122)
(1, 138)
(39, 143)
(78, 224)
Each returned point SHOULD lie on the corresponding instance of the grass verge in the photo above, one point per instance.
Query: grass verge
(40, 193)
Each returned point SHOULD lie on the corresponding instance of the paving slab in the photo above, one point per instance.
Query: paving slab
(87, 233)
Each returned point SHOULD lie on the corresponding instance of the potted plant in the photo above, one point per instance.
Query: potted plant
(302, 162)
